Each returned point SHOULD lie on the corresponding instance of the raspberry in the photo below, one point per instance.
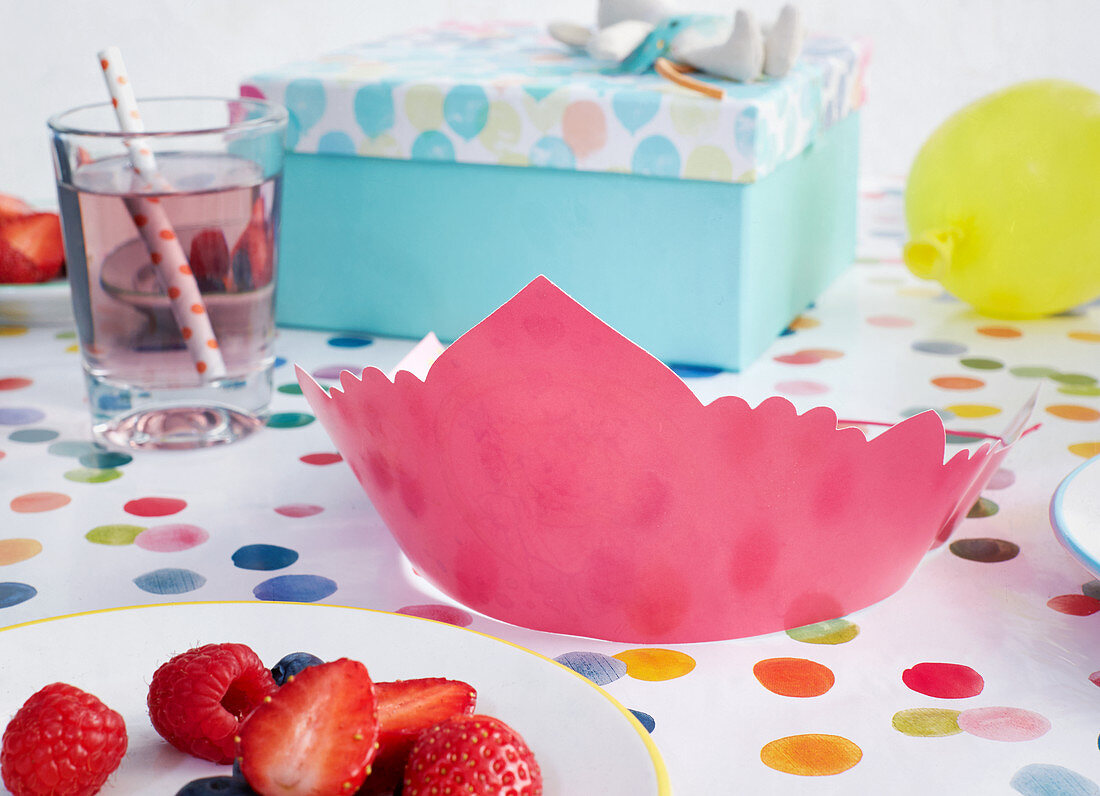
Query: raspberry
(62, 742)
(198, 700)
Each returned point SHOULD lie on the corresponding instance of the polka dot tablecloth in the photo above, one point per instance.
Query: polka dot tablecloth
(982, 675)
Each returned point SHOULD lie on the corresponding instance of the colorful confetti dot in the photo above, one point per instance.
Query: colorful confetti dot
(169, 581)
(334, 371)
(171, 538)
(321, 458)
(1085, 414)
(599, 668)
(289, 420)
(20, 415)
(811, 755)
(1085, 450)
(890, 321)
(693, 371)
(1085, 337)
(943, 680)
(927, 722)
(986, 551)
(1094, 678)
(1074, 604)
(298, 510)
(290, 389)
(117, 534)
(798, 358)
(295, 588)
(832, 631)
(1074, 379)
(1004, 724)
(999, 331)
(12, 331)
(801, 387)
(654, 663)
(15, 593)
(33, 435)
(983, 507)
(1045, 779)
(105, 460)
(794, 677)
(72, 448)
(1091, 589)
(645, 720)
(12, 551)
(84, 475)
(439, 613)
(957, 383)
(264, 557)
(14, 383)
(942, 347)
(1032, 372)
(154, 506)
(980, 363)
(1087, 391)
(34, 502)
(970, 411)
(350, 342)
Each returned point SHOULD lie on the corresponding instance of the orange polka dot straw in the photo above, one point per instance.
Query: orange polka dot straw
(156, 229)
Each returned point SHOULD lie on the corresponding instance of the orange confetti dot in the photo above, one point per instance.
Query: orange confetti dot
(167, 234)
(197, 309)
(999, 331)
(211, 343)
(200, 367)
(654, 663)
(186, 332)
(1086, 450)
(12, 551)
(141, 220)
(958, 382)
(823, 353)
(34, 502)
(185, 269)
(1074, 412)
(103, 64)
(794, 677)
(811, 755)
(1085, 337)
(173, 292)
(156, 258)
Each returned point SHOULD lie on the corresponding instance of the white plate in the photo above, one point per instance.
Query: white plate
(45, 304)
(585, 741)
(1075, 514)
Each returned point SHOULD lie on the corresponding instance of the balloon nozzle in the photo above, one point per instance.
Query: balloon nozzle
(929, 256)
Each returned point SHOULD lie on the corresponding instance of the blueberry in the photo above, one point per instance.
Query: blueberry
(221, 786)
(292, 664)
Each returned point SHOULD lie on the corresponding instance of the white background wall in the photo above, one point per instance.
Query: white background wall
(931, 56)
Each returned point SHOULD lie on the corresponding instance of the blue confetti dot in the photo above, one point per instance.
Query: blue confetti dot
(1044, 779)
(551, 152)
(939, 347)
(15, 593)
(433, 145)
(656, 156)
(916, 410)
(466, 109)
(19, 415)
(264, 556)
(295, 588)
(350, 342)
(645, 719)
(336, 143)
(280, 361)
(693, 371)
(374, 109)
(634, 108)
(305, 99)
(33, 435)
(73, 448)
(169, 581)
(599, 668)
(105, 460)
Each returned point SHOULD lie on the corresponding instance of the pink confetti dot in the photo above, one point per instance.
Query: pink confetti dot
(799, 358)
(439, 613)
(944, 680)
(889, 321)
(1004, 724)
(298, 510)
(801, 387)
(171, 538)
(154, 506)
(1074, 604)
(321, 458)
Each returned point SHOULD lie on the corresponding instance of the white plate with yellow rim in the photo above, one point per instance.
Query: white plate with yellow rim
(584, 740)
(1075, 514)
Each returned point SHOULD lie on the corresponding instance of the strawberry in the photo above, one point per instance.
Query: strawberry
(473, 755)
(209, 260)
(254, 251)
(13, 207)
(62, 742)
(315, 736)
(16, 267)
(198, 700)
(37, 237)
(405, 709)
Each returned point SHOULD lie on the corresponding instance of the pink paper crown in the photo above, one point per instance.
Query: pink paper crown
(550, 473)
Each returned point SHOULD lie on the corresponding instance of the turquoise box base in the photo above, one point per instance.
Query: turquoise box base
(699, 273)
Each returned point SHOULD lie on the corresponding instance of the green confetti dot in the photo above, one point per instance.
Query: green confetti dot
(978, 363)
(1082, 389)
(290, 389)
(983, 508)
(105, 460)
(1032, 372)
(833, 631)
(289, 420)
(1074, 379)
(74, 448)
(89, 475)
(119, 534)
(927, 722)
(69, 335)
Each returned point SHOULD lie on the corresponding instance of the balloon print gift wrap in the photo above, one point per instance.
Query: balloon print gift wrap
(433, 174)
(548, 472)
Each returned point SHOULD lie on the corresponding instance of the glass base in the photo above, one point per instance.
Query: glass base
(177, 428)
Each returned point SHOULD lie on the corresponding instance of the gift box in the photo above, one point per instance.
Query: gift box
(430, 176)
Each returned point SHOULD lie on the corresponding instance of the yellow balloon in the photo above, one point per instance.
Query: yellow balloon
(1003, 201)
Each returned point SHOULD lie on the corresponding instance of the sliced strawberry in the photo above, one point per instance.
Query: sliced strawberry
(13, 207)
(38, 237)
(209, 260)
(405, 709)
(315, 736)
(16, 267)
(254, 251)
